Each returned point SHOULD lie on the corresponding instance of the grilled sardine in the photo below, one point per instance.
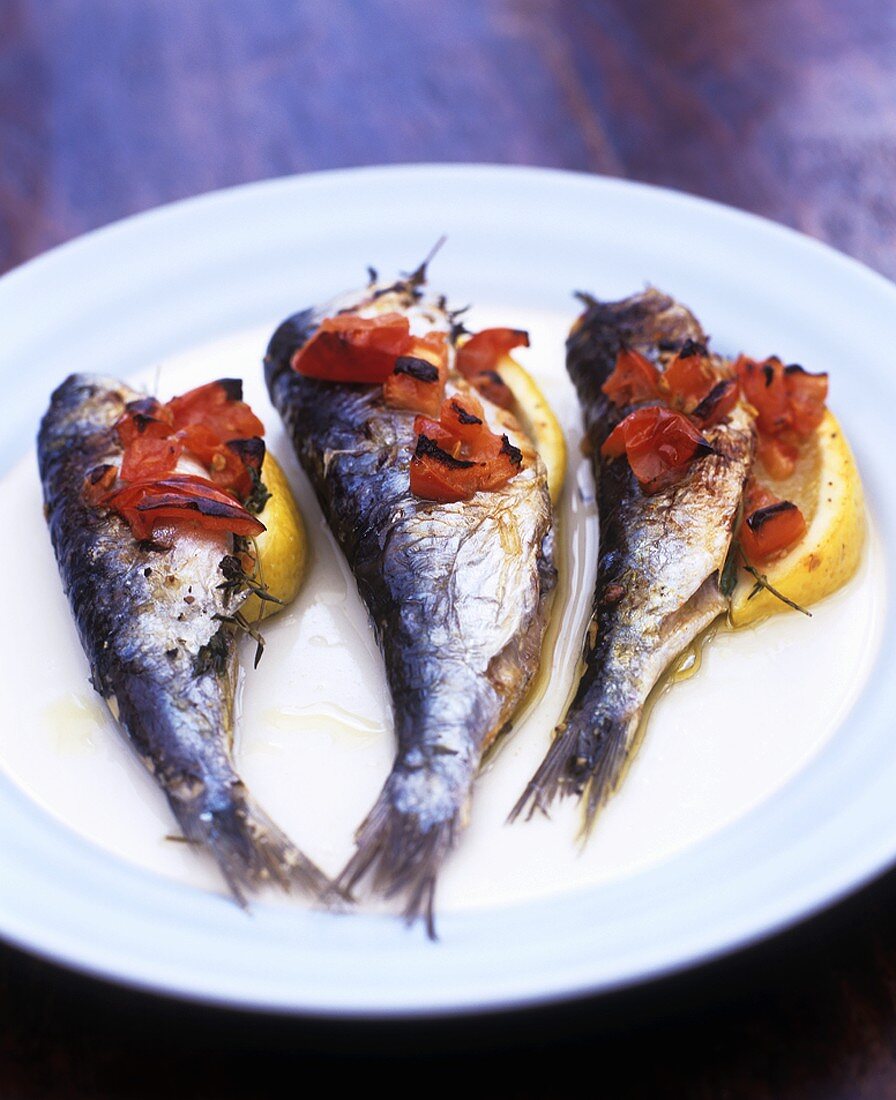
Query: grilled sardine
(660, 556)
(456, 591)
(150, 620)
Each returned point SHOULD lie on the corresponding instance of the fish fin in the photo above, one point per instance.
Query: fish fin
(250, 850)
(403, 857)
(589, 766)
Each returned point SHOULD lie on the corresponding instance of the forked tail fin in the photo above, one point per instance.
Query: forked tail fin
(402, 854)
(587, 764)
(249, 848)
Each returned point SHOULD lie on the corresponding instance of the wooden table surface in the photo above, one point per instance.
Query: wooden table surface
(783, 107)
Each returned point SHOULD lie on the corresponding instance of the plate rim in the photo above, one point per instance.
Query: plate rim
(798, 910)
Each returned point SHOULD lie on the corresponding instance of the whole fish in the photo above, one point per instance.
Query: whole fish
(660, 561)
(457, 592)
(156, 622)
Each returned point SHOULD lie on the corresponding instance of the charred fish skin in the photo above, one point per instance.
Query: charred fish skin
(660, 557)
(159, 655)
(457, 594)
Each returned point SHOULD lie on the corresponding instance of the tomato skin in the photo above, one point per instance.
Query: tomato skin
(633, 378)
(479, 360)
(777, 456)
(209, 423)
(218, 406)
(493, 388)
(459, 454)
(149, 456)
(485, 350)
(717, 403)
(416, 384)
(439, 434)
(438, 475)
(785, 398)
(182, 497)
(660, 445)
(689, 377)
(463, 416)
(349, 348)
(771, 526)
(807, 394)
(762, 384)
(771, 531)
(502, 462)
(146, 417)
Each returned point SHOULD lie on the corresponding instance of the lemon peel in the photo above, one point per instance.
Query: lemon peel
(828, 555)
(281, 549)
(538, 421)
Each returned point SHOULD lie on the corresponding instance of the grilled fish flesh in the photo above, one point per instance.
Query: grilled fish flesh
(660, 556)
(457, 592)
(149, 615)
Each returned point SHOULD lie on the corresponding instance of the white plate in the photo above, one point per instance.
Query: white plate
(160, 286)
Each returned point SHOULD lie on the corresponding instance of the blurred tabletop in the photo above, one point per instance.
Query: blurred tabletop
(783, 107)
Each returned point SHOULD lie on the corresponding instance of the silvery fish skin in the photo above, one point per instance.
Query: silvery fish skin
(660, 556)
(457, 594)
(159, 655)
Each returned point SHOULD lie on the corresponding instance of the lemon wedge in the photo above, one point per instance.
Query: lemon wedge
(282, 549)
(538, 421)
(828, 490)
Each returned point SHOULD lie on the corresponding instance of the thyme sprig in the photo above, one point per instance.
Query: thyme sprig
(737, 559)
(237, 578)
(762, 582)
(241, 623)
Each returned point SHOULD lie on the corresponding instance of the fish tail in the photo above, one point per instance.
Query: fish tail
(588, 765)
(402, 854)
(551, 779)
(250, 850)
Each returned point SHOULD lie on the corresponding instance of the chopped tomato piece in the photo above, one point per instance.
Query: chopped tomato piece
(502, 462)
(807, 394)
(439, 434)
(218, 406)
(757, 495)
(660, 445)
(776, 455)
(485, 350)
(493, 388)
(771, 526)
(438, 475)
(183, 497)
(762, 384)
(689, 377)
(148, 456)
(416, 384)
(462, 415)
(785, 398)
(201, 441)
(433, 346)
(218, 429)
(460, 455)
(633, 379)
(145, 417)
(349, 348)
(717, 404)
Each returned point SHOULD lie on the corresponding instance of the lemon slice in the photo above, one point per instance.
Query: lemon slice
(828, 490)
(281, 548)
(538, 421)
